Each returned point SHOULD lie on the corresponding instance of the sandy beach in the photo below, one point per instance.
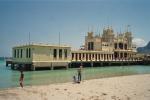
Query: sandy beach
(135, 87)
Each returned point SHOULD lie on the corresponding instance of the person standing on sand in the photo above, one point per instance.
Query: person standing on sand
(79, 74)
(21, 79)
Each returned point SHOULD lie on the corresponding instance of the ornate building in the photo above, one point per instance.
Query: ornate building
(107, 47)
(120, 44)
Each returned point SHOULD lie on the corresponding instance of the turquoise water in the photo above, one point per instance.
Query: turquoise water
(10, 78)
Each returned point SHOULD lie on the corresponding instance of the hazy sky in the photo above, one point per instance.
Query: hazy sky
(44, 19)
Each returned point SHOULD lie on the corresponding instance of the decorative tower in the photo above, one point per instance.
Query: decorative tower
(128, 35)
(89, 44)
(108, 35)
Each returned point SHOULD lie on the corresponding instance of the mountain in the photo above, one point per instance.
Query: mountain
(145, 49)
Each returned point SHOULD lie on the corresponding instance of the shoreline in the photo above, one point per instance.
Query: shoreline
(132, 87)
(71, 82)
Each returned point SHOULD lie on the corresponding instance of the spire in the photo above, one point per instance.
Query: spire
(88, 29)
(120, 30)
(59, 39)
(128, 28)
(108, 27)
(111, 29)
(104, 28)
(29, 38)
(92, 29)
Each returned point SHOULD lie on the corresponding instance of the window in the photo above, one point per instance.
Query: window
(60, 53)
(21, 53)
(65, 51)
(115, 45)
(102, 56)
(26, 52)
(115, 55)
(72, 56)
(76, 56)
(29, 51)
(125, 55)
(90, 45)
(86, 56)
(79, 56)
(96, 56)
(83, 55)
(92, 56)
(121, 45)
(17, 53)
(50, 52)
(99, 56)
(55, 53)
(89, 56)
(121, 55)
(125, 46)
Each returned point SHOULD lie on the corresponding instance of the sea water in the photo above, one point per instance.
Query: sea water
(10, 78)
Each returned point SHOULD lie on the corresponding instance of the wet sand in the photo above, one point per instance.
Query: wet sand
(135, 87)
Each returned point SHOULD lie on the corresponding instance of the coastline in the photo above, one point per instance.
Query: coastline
(134, 87)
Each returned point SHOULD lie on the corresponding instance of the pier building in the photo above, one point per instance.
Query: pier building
(109, 46)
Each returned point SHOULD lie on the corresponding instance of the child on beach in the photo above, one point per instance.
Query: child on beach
(74, 79)
(21, 79)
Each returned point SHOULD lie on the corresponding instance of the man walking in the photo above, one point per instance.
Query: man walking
(79, 74)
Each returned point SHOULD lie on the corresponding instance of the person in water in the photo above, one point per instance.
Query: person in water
(21, 79)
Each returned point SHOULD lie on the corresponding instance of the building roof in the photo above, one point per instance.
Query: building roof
(41, 45)
(88, 51)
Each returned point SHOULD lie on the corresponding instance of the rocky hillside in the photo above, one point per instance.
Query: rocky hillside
(145, 49)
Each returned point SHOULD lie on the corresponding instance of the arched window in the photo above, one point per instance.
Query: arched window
(125, 46)
(125, 55)
(115, 55)
(121, 55)
(115, 45)
(121, 45)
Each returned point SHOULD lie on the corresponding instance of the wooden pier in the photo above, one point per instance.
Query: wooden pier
(8, 62)
(108, 63)
(76, 64)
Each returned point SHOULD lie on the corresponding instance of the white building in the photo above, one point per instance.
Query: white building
(39, 55)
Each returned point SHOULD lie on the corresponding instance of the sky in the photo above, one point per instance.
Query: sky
(44, 20)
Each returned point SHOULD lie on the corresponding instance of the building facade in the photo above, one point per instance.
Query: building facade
(120, 44)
